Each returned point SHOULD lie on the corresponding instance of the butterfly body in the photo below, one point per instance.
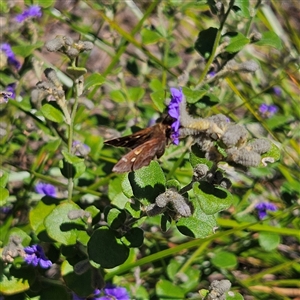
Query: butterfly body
(145, 145)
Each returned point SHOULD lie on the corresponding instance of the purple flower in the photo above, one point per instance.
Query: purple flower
(119, 293)
(34, 255)
(11, 58)
(212, 74)
(174, 112)
(11, 88)
(277, 90)
(45, 189)
(268, 110)
(263, 207)
(81, 149)
(110, 292)
(31, 12)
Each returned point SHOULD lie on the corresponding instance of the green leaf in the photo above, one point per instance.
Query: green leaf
(115, 193)
(197, 157)
(38, 214)
(3, 179)
(106, 250)
(224, 260)
(51, 113)
(117, 96)
(13, 281)
(74, 161)
(25, 238)
(148, 182)
(53, 145)
(274, 153)
(158, 98)
(136, 93)
(79, 284)
(269, 240)
(134, 237)
(149, 36)
(168, 290)
(270, 38)
(237, 42)
(60, 228)
(45, 3)
(26, 50)
(76, 72)
(234, 296)
(243, 8)
(193, 96)
(115, 218)
(93, 80)
(4, 194)
(199, 225)
(205, 41)
(212, 199)
(156, 85)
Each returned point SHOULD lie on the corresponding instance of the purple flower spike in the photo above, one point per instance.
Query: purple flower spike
(46, 189)
(110, 292)
(33, 11)
(34, 255)
(174, 112)
(268, 111)
(263, 207)
(11, 58)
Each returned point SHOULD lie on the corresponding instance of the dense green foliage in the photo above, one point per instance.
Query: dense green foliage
(83, 72)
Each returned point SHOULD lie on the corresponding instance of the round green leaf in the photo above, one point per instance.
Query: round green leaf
(106, 250)
(148, 182)
(168, 290)
(38, 214)
(135, 237)
(212, 199)
(80, 284)
(60, 228)
(234, 296)
(199, 225)
(269, 240)
(115, 193)
(205, 41)
(224, 260)
(115, 218)
(51, 113)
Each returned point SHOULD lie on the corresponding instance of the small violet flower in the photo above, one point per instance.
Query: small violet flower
(263, 207)
(34, 255)
(277, 90)
(33, 11)
(11, 58)
(109, 292)
(80, 148)
(46, 189)
(174, 112)
(268, 110)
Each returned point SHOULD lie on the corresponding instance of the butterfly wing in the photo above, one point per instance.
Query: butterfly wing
(140, 156)
(133, 140)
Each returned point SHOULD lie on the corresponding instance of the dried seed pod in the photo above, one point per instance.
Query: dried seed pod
(259, 145)
(235, 135)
